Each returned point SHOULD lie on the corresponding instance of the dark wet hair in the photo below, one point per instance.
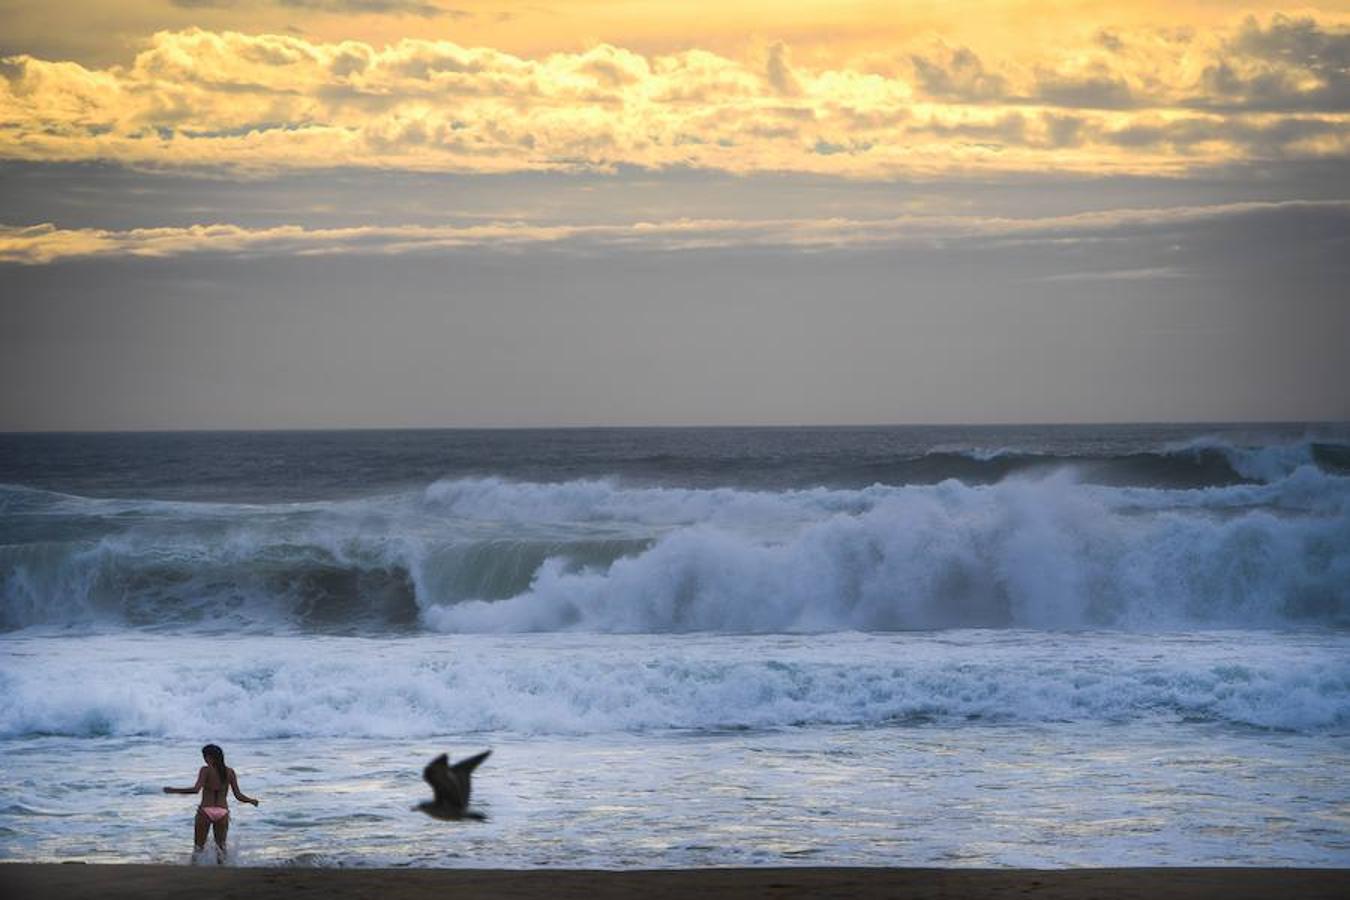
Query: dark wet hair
(216, 757)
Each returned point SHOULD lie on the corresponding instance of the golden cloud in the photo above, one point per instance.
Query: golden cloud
(1139, 101)
(44, 244)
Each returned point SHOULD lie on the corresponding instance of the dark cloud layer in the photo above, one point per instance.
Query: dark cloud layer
(1229, 318)
(45, 243)
(111, 197)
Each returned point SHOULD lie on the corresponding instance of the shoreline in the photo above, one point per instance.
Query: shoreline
(75, 881)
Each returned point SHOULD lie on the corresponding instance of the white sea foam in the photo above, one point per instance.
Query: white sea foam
(308, 686)
(495, 555)
(1047, 553)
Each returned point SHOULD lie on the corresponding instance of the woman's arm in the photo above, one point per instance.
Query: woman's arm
(201, 780)
(238, 794)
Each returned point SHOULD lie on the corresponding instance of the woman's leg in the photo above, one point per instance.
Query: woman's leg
(199, 829)
(222, 828)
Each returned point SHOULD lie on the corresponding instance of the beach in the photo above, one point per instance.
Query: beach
(74, 882)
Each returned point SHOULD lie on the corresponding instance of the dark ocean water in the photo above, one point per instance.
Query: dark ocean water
(265, 467)
(678, 530)
(876, 646)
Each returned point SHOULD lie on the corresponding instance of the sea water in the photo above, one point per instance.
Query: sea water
(1119, 645)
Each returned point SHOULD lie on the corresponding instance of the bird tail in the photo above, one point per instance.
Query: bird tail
(465, 766)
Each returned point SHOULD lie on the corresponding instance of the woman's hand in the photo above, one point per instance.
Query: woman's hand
(168, 790)
(253, 801)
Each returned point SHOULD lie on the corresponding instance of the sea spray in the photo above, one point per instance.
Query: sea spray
(251, 687)
(487, 554)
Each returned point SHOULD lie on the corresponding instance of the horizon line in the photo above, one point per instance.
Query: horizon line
(1102, 423)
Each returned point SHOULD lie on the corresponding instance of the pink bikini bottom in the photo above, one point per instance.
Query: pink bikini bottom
(214, 813)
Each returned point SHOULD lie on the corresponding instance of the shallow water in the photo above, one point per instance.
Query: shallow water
(1107, 749)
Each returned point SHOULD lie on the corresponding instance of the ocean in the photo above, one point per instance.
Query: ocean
(909, 646)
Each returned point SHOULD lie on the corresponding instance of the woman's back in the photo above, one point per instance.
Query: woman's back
(215, 792)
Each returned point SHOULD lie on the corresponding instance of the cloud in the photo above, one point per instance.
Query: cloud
(1147, 273)
(225, 100)
(341, 7)
(1269, 137)
(377, 7)
(957, 74)
(1097, 88)
(779, 71)
(44, 244)
(1291, 64)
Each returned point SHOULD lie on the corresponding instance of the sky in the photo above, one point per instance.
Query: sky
(453, 213)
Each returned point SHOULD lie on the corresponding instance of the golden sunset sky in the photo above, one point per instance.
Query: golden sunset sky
(872, 90)
(247, 129)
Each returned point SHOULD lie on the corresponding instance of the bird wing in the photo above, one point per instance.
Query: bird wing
(444, 783)
(463, 769)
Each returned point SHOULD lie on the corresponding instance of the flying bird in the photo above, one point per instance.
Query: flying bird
(451, 786)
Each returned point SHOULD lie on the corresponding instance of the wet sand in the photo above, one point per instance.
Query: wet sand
(19, 881)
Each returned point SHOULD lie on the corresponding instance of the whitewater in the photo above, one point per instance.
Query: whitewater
(912, 646)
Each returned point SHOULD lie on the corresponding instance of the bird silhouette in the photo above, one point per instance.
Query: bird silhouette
(451, 787)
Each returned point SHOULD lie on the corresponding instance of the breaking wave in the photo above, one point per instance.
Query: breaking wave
(1198, 463)
(349, 687)
(1040, 550)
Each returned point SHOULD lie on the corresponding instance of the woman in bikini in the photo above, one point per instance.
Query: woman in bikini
(214, 780)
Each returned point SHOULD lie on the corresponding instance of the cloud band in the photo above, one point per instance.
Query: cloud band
(46, 243)
(1127, 102)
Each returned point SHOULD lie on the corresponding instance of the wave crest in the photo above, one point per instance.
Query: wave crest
(349, 687)
(1044, 554)
(494, 555)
